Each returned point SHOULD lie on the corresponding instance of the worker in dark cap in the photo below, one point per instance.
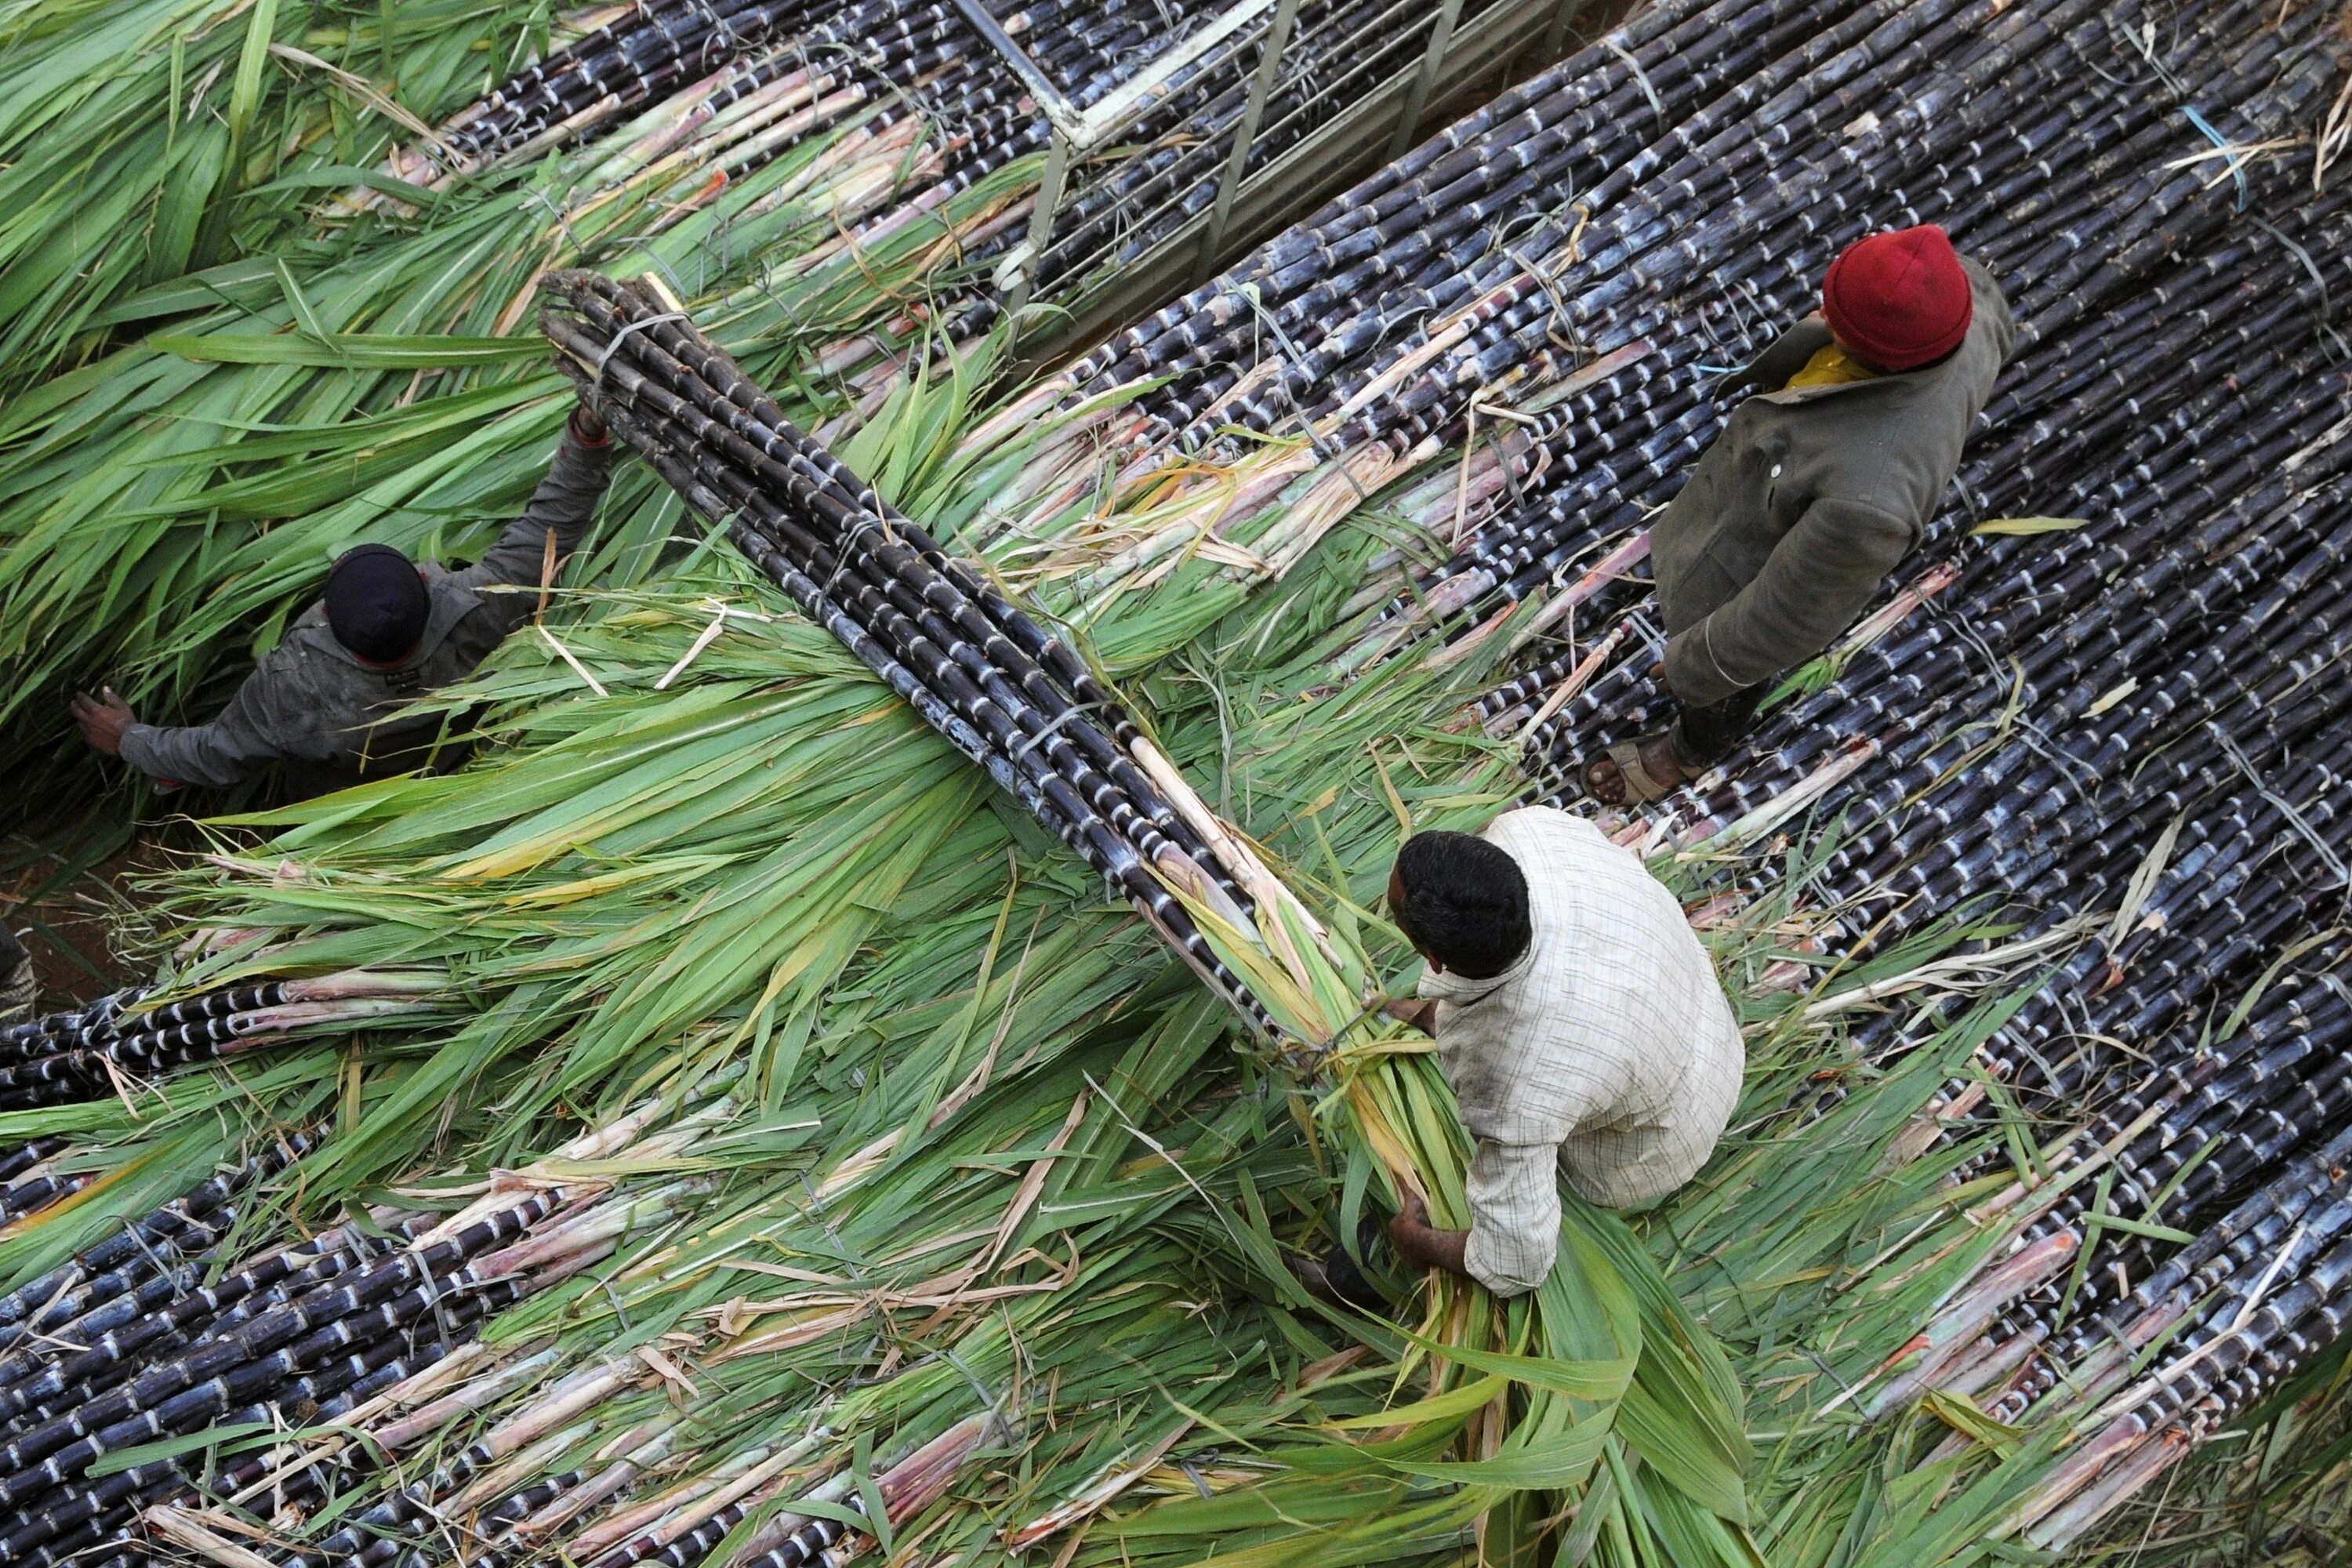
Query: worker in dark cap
(1819, 483)
(326, 703)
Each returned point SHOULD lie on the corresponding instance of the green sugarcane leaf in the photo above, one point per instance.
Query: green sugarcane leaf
(244, 98)
(877, 1513)
(304, 317)
(196, 166)
(353, 350)
(2023, 526)
(1561, 1462)
(342, 177)
(1963, 1415)
(240, 284)
(1599, 1381)
(171, 1447)
(1452, 1404)
(2141, 1227)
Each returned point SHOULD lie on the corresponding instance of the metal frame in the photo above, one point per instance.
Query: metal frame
(1511, 37)
(1441, 38)
(1269, 67)
(1088, 129)
(1077, 133)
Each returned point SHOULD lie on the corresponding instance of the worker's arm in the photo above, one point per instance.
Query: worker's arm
(1416, 1012)
(1514, 1235)
(231, 749)
(564, 505)
(1819, 577)
(1514, 1192)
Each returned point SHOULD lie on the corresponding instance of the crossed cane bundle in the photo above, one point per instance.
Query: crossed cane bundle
(1004, 690)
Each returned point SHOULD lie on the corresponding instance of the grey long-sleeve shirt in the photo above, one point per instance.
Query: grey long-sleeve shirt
(314, 706)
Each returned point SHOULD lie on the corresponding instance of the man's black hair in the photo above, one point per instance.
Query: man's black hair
(1465, 902)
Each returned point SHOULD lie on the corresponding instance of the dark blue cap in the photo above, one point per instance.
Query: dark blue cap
(376, 604)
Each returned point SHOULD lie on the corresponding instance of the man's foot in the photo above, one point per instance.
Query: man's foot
(1632, 772)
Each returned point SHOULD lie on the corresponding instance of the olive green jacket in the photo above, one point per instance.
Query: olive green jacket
(1808, 499)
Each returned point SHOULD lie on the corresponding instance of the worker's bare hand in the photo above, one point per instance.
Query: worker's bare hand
(103, 719)
(1420, 1013)
(588, 427)
(1421, 1244)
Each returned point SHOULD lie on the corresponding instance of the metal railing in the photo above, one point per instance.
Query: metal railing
(1331, 86)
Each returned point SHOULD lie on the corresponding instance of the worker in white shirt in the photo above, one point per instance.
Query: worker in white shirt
(1580, 1024)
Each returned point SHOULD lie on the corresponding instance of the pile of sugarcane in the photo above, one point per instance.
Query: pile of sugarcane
(125, 1036)
(748, 80)
(1575, 265)
(308, 1369)
(1506, 283)
(161, 1330)
(741, 1418)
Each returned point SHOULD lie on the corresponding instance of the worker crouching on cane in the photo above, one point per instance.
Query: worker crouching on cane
(1580, 1024)
(325, 702)
(1821, 483)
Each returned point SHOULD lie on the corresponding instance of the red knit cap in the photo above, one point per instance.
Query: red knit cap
(1901, 298)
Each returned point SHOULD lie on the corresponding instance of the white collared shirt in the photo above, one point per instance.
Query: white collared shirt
(1606, 1053)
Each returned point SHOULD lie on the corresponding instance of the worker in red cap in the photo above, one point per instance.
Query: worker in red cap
(334, 703)
(1819, 484)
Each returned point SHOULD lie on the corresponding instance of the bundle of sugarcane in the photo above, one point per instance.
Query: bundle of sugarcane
(1338, 52)
(2235, 305)
(120, 1037)
(2152, 476)
(163, 1331)
(143, 1250)
(1008, 694)
(823, 1520)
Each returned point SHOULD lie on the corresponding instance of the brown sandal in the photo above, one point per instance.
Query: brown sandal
(1638, 784)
